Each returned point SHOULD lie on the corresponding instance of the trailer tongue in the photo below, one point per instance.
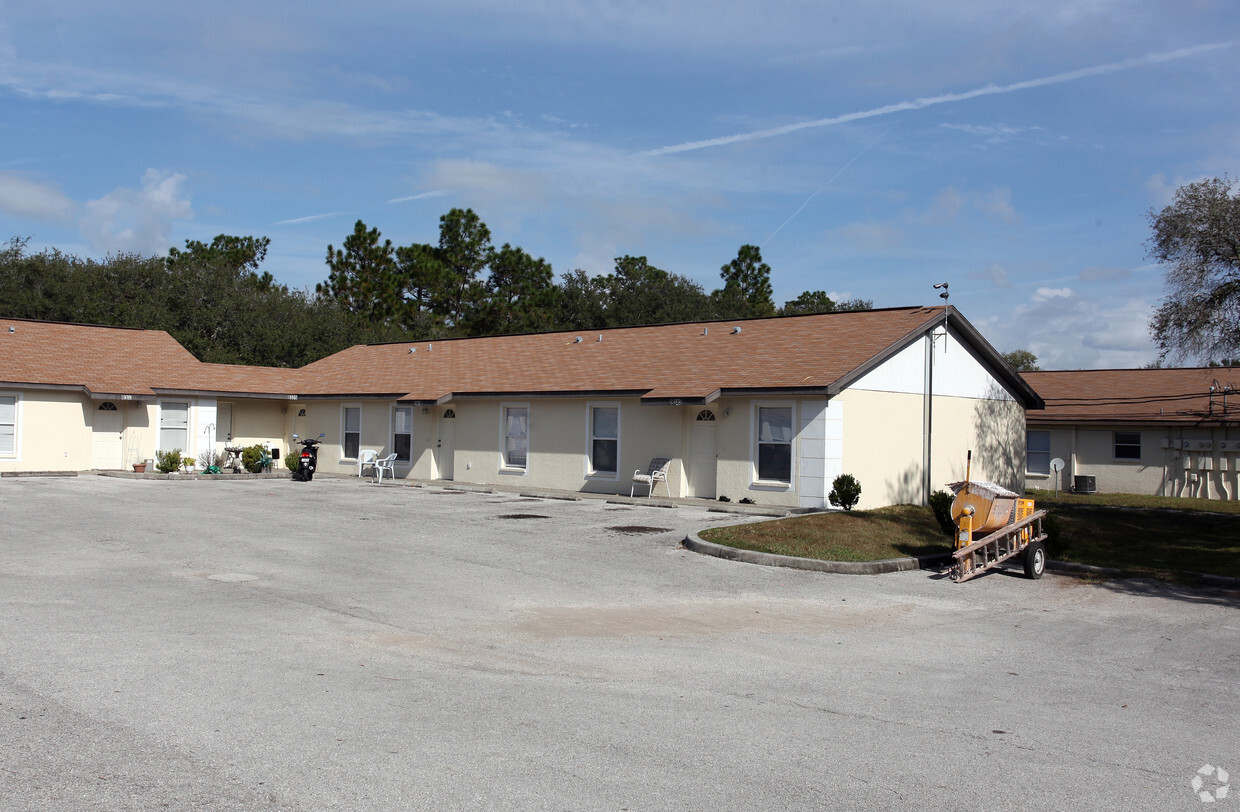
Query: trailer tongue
(994, 525)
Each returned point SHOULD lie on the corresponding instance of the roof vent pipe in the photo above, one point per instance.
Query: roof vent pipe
(577, 340)
(705, 331)
(430, 347)
(412, 350)
(735, 330)
(600, 338)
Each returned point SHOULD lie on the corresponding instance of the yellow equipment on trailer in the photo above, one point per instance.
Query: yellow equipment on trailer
(1008, 526)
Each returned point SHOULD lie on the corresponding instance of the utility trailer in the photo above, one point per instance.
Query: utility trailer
(1009, 526)
(1022, 537)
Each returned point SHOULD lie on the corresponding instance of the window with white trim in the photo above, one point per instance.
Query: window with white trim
(8, 425)
(516, 437)
(1127, 445)
(774, 444)
(604, 448)
(1038, 452)
(174, 426)
(402, 433)
(352, 435)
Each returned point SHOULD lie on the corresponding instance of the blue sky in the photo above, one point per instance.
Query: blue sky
(871, 149)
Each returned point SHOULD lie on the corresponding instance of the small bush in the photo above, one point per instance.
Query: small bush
(208, 458)
(941, 504)
(845, 491)
(168, 461)
(292, 460)
(252, 458)
(1056, 544)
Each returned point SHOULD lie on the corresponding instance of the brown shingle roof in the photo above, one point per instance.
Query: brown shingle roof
(670, 361)
(120, 361)
(1179, 396)
(820, 353)
(686, 361)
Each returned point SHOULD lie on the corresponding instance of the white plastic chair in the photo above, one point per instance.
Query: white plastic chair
(657, 472)
(388, 464)
(367, 457)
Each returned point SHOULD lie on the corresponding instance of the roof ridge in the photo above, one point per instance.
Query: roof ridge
(82, 324)
(579, 330)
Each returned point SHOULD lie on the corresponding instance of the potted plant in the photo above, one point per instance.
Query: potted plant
(139, 467)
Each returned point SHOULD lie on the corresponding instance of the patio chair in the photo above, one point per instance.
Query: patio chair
(367, 457)
(657, 472)
(388, 464)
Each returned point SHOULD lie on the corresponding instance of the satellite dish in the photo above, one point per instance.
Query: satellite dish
(1057, 465)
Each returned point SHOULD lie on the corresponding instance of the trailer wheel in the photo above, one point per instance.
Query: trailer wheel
(1035, 560)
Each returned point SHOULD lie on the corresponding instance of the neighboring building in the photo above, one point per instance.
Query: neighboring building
(1166, 432)
(76, 397)
(768, 409)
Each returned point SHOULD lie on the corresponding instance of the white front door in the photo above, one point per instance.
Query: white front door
(106, 433)
(702, 463)
(445, 446)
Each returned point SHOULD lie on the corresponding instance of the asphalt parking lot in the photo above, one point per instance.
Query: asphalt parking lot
(339, 645)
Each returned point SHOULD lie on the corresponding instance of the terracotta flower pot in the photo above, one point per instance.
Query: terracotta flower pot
(139, 467)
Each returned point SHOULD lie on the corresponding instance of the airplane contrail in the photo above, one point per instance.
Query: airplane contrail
(930, 101)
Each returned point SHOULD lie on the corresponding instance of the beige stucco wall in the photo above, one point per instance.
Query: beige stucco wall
(558, 443)
(55, 431)
(1208, 468)
(255, 422)
(52, 432)
(884, 443)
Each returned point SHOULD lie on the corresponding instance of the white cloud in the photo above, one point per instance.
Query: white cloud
(419, 196)
(27, 198)
(1069, 332)
(309, 219)
(138, 220)
(1047, 294)
(946, 98)
(989, 133)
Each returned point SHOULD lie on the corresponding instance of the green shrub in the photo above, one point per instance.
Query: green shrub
(1056, 544)
(845, 491)
(168, 461)
(941, 504)
(292, 460)
(252, 458)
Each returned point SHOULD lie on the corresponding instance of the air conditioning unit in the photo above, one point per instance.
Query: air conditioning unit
(1085, 484)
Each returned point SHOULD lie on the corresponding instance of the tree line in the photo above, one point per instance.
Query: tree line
(217, 302)
(465, 286)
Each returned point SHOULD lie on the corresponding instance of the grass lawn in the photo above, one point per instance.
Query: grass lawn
(1148, 535)
(859, 535)
(1141, 535)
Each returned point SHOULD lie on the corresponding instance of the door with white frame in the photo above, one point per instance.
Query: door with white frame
(703, 463)
(446, 444)
(107, 435)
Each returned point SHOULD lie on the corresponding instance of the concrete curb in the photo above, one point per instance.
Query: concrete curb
(24, 474)
(697, 544)
(196, 477)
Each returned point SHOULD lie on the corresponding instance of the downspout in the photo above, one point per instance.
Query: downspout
(927, 419)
